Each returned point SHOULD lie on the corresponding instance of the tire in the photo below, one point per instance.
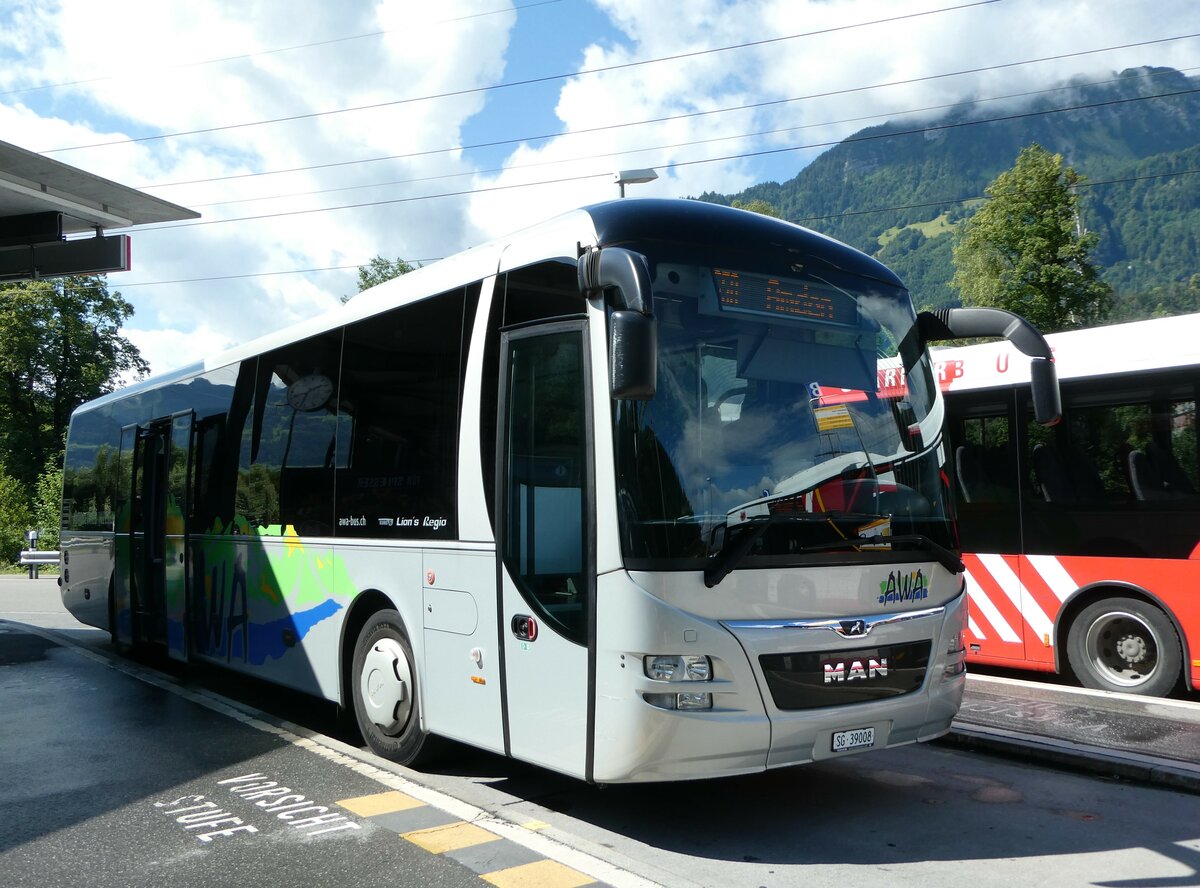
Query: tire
(1123, 644)
(384, 686)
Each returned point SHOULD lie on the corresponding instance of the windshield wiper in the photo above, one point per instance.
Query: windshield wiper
(733, 551)
(731, 555)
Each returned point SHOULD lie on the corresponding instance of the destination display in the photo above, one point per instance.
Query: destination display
(760, 294)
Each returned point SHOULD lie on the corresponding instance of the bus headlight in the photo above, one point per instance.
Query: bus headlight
(683, 702)
(678, 668)
(662, 667)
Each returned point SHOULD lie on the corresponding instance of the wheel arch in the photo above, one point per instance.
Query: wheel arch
(365, 605)
(1093, 592)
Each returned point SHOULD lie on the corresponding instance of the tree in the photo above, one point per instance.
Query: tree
(758, 205)
(379, 270)
(15, 517)
(1026, 249)
(47, 504)
(60, 345)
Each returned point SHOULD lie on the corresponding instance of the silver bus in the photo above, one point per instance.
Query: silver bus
(630, 495)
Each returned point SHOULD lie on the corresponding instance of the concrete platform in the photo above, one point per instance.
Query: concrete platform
(1146, 739)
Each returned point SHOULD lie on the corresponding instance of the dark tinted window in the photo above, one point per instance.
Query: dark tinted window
(544, 539)
(91, 472)
(223, 401)
(289, 443)
(93, 488)
(538, 292)
(401, 394)
(986, 473)
(1119, 475)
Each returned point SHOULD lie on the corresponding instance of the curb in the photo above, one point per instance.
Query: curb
(1079, 757)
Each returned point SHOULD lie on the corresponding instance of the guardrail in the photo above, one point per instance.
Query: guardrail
(36, 559)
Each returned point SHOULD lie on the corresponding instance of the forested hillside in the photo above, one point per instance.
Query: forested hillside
(897, 191)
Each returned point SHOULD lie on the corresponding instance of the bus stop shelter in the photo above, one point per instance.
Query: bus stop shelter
(53, 218)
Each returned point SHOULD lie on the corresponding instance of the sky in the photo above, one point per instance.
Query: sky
(312, 136)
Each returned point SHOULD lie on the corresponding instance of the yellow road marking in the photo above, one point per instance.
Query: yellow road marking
(542, 874)
(536, 825)
(380, 803)
(451, 837)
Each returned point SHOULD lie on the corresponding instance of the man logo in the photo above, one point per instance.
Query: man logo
(856, 670)
(851, 628)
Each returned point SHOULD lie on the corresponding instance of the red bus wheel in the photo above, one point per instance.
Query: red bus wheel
(1123, 644)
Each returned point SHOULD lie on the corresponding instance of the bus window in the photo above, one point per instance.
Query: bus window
(1114, 477)
(285, 475)
(537, 292)
(545, 457)
(987, 479)
(401, 392)
(1162, 467)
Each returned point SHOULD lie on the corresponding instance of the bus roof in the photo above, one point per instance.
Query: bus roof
(1156, 344)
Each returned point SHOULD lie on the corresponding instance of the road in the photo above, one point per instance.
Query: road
(94, 748)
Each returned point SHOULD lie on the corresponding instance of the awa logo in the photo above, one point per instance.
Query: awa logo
(903, 587)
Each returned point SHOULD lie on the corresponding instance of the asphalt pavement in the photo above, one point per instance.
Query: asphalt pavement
(1142, 739)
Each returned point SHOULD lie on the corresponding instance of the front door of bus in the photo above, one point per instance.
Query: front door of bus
(546, 546)
(158, 551)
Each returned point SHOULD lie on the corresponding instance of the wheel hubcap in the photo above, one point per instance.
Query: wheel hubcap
(1132, 649)
(385, 683)
(1123, 649)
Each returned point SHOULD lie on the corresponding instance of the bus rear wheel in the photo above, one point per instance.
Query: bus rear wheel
(384, 687)
(1123, 644)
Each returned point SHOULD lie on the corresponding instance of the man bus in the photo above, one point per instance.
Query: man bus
(572, 496)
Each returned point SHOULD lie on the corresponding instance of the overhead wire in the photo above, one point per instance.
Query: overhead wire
(941, 202)
(667, 166)
(266, 52)
(526, 82)
(629, 152)
(674, 164)
(676, 117)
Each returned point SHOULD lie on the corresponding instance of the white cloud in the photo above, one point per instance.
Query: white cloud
(810, 86)
(155, 89)
(139, 79)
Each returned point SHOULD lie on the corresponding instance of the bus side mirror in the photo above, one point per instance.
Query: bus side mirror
(632, 343)
(1043, 383)
(965, 323)
(632, 356)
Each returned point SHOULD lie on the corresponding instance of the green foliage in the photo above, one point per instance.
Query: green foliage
(758, 205)
(47, 504)
(257, 498)
(379, 270)
(15, 517)
(60, 345)
(1164, 301)
(97, 487)
(929, 175)
(1024, 251)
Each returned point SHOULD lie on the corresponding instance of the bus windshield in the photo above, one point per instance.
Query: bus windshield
(792, 420)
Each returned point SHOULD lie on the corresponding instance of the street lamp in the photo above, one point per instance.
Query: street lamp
(633, 177)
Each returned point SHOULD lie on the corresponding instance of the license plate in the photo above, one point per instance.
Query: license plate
(856, 739)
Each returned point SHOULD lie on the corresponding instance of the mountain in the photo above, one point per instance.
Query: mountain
(897, 191)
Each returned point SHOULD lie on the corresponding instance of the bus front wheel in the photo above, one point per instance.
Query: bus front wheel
(1123, 644)
(384, 686)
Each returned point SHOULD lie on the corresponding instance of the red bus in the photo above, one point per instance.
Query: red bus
(1083, 539)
